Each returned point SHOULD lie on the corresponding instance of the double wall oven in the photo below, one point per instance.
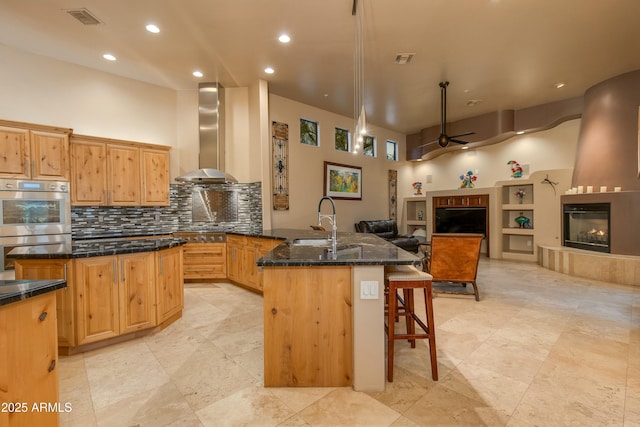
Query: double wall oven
(33, 213)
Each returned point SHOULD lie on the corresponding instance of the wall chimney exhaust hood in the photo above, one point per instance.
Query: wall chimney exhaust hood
(211, 125)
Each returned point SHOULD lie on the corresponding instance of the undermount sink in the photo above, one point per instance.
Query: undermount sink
(311, 241)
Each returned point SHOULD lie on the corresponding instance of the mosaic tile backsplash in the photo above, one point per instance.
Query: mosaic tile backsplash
(115, 221)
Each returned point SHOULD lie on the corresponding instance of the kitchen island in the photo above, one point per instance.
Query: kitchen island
(324, 310)
(28, 352)
(116, 289)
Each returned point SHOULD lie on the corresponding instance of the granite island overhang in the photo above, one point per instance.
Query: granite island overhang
(324, 311)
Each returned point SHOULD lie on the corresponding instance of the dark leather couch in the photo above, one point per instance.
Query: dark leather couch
(388, 230)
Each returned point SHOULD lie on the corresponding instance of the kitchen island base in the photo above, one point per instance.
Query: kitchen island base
(319, 332)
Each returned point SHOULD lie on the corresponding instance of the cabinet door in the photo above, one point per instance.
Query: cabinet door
(155, 177)
(37, 269)
(96, 298)
(136, 292)
(50, 155)
(14, 153)
(29, 357)
(88, 173)
(123, 178)
(169, 283)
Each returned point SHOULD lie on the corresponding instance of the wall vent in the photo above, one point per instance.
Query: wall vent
(404, 58)
(84, 16)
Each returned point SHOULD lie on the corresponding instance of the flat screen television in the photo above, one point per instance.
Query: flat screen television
(461, 220)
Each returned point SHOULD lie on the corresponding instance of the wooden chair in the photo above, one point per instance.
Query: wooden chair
(452, 260)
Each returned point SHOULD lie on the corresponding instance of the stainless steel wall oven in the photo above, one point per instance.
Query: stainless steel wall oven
(33, 213)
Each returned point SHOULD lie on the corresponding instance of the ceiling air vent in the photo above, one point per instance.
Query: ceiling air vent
(84, 16)
(404, 58)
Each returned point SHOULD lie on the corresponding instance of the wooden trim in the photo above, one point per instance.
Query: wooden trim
(88, 138)
(32, 126)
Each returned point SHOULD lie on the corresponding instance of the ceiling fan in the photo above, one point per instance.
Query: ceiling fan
(444, 139)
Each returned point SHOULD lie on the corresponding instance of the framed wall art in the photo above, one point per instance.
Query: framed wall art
(342, 181)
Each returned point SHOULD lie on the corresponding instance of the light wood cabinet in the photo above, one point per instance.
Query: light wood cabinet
(204, 261)
(65, 307)
(108, 172)
(123, 175)
(169, 283)
(242, 254)
(29, 355)
(115, 295)
(111, 296)
(154, 168)
(34, 153)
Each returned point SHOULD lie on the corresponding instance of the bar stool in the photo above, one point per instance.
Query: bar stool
(409, 278)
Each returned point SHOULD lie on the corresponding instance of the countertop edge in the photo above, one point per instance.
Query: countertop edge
(42, 287)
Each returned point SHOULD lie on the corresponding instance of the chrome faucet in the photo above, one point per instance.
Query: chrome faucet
(332, 220)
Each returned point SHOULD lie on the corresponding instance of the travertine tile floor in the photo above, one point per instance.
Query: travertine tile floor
(539, 349)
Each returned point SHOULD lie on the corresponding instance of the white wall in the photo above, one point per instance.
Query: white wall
(551, 149)
(39, 90)
(306, 168)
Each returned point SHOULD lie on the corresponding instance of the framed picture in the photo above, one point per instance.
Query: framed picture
(309, 132)
(342, 181)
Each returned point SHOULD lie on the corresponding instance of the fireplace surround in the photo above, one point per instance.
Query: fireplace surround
(623, 227)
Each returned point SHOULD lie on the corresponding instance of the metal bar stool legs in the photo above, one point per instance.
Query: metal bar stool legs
(408, 279)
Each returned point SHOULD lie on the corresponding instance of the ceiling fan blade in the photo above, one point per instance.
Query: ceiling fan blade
(462, 134)
(435, 141)
(458, 141)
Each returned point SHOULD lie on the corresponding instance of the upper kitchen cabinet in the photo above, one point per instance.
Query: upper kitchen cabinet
(118, 173)
(34, 152)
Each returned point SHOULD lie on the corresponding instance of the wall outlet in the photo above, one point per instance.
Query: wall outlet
(369, 289)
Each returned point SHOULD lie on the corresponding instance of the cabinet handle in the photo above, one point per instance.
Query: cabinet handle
(160, 268)
(122, 270)
(33, 168)
(115, 271)
(52, 366)
(42, 316)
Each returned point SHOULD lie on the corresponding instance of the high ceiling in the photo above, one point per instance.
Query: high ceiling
(506, 53)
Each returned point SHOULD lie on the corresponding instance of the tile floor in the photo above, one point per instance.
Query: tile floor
(539, 349)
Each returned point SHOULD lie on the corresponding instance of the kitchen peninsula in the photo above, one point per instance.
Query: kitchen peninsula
(324, 311)
(116, 288)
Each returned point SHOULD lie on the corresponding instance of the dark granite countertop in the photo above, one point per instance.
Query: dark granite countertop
(87, 249)
(353, 249)
(18, 290)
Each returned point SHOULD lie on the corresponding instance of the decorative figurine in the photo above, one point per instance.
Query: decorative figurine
(467, 180)
(417, 188)
(523, 221)
(516, 169)
(420, 215)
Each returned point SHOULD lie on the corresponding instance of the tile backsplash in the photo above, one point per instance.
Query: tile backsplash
(113, 221)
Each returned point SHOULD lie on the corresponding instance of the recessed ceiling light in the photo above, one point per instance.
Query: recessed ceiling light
(197, 74)
(464, 147)
(520, 132)
(152, 28)
(269, 70)
(559, 85)
(109, 57)
(473, 102)
(284, 38)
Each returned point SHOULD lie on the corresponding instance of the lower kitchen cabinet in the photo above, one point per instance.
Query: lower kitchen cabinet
(242, 254)
(115, 295)
(111, 296)
(169, 283)
(29, 361)
(204, 261)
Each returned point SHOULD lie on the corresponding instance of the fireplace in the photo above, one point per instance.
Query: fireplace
(587, 226)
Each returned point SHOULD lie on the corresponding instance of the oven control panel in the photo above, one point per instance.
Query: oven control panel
(41, 186)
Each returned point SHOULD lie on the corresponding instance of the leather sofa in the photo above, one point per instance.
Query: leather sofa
(388, 230)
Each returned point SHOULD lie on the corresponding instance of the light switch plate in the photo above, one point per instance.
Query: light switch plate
(369, 289)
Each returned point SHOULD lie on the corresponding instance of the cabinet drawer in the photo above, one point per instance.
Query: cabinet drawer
(205, 271)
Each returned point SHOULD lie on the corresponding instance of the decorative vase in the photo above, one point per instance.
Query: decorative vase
(522, 221)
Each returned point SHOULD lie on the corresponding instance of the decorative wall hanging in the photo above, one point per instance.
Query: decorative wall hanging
(553, 184)
(309, 132)
(516, 169)
(342, 181)
(467, 180)
(393, 194)
(280, 149)
(417, 188)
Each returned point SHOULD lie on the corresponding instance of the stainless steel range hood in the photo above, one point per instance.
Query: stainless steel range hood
(211, 124)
